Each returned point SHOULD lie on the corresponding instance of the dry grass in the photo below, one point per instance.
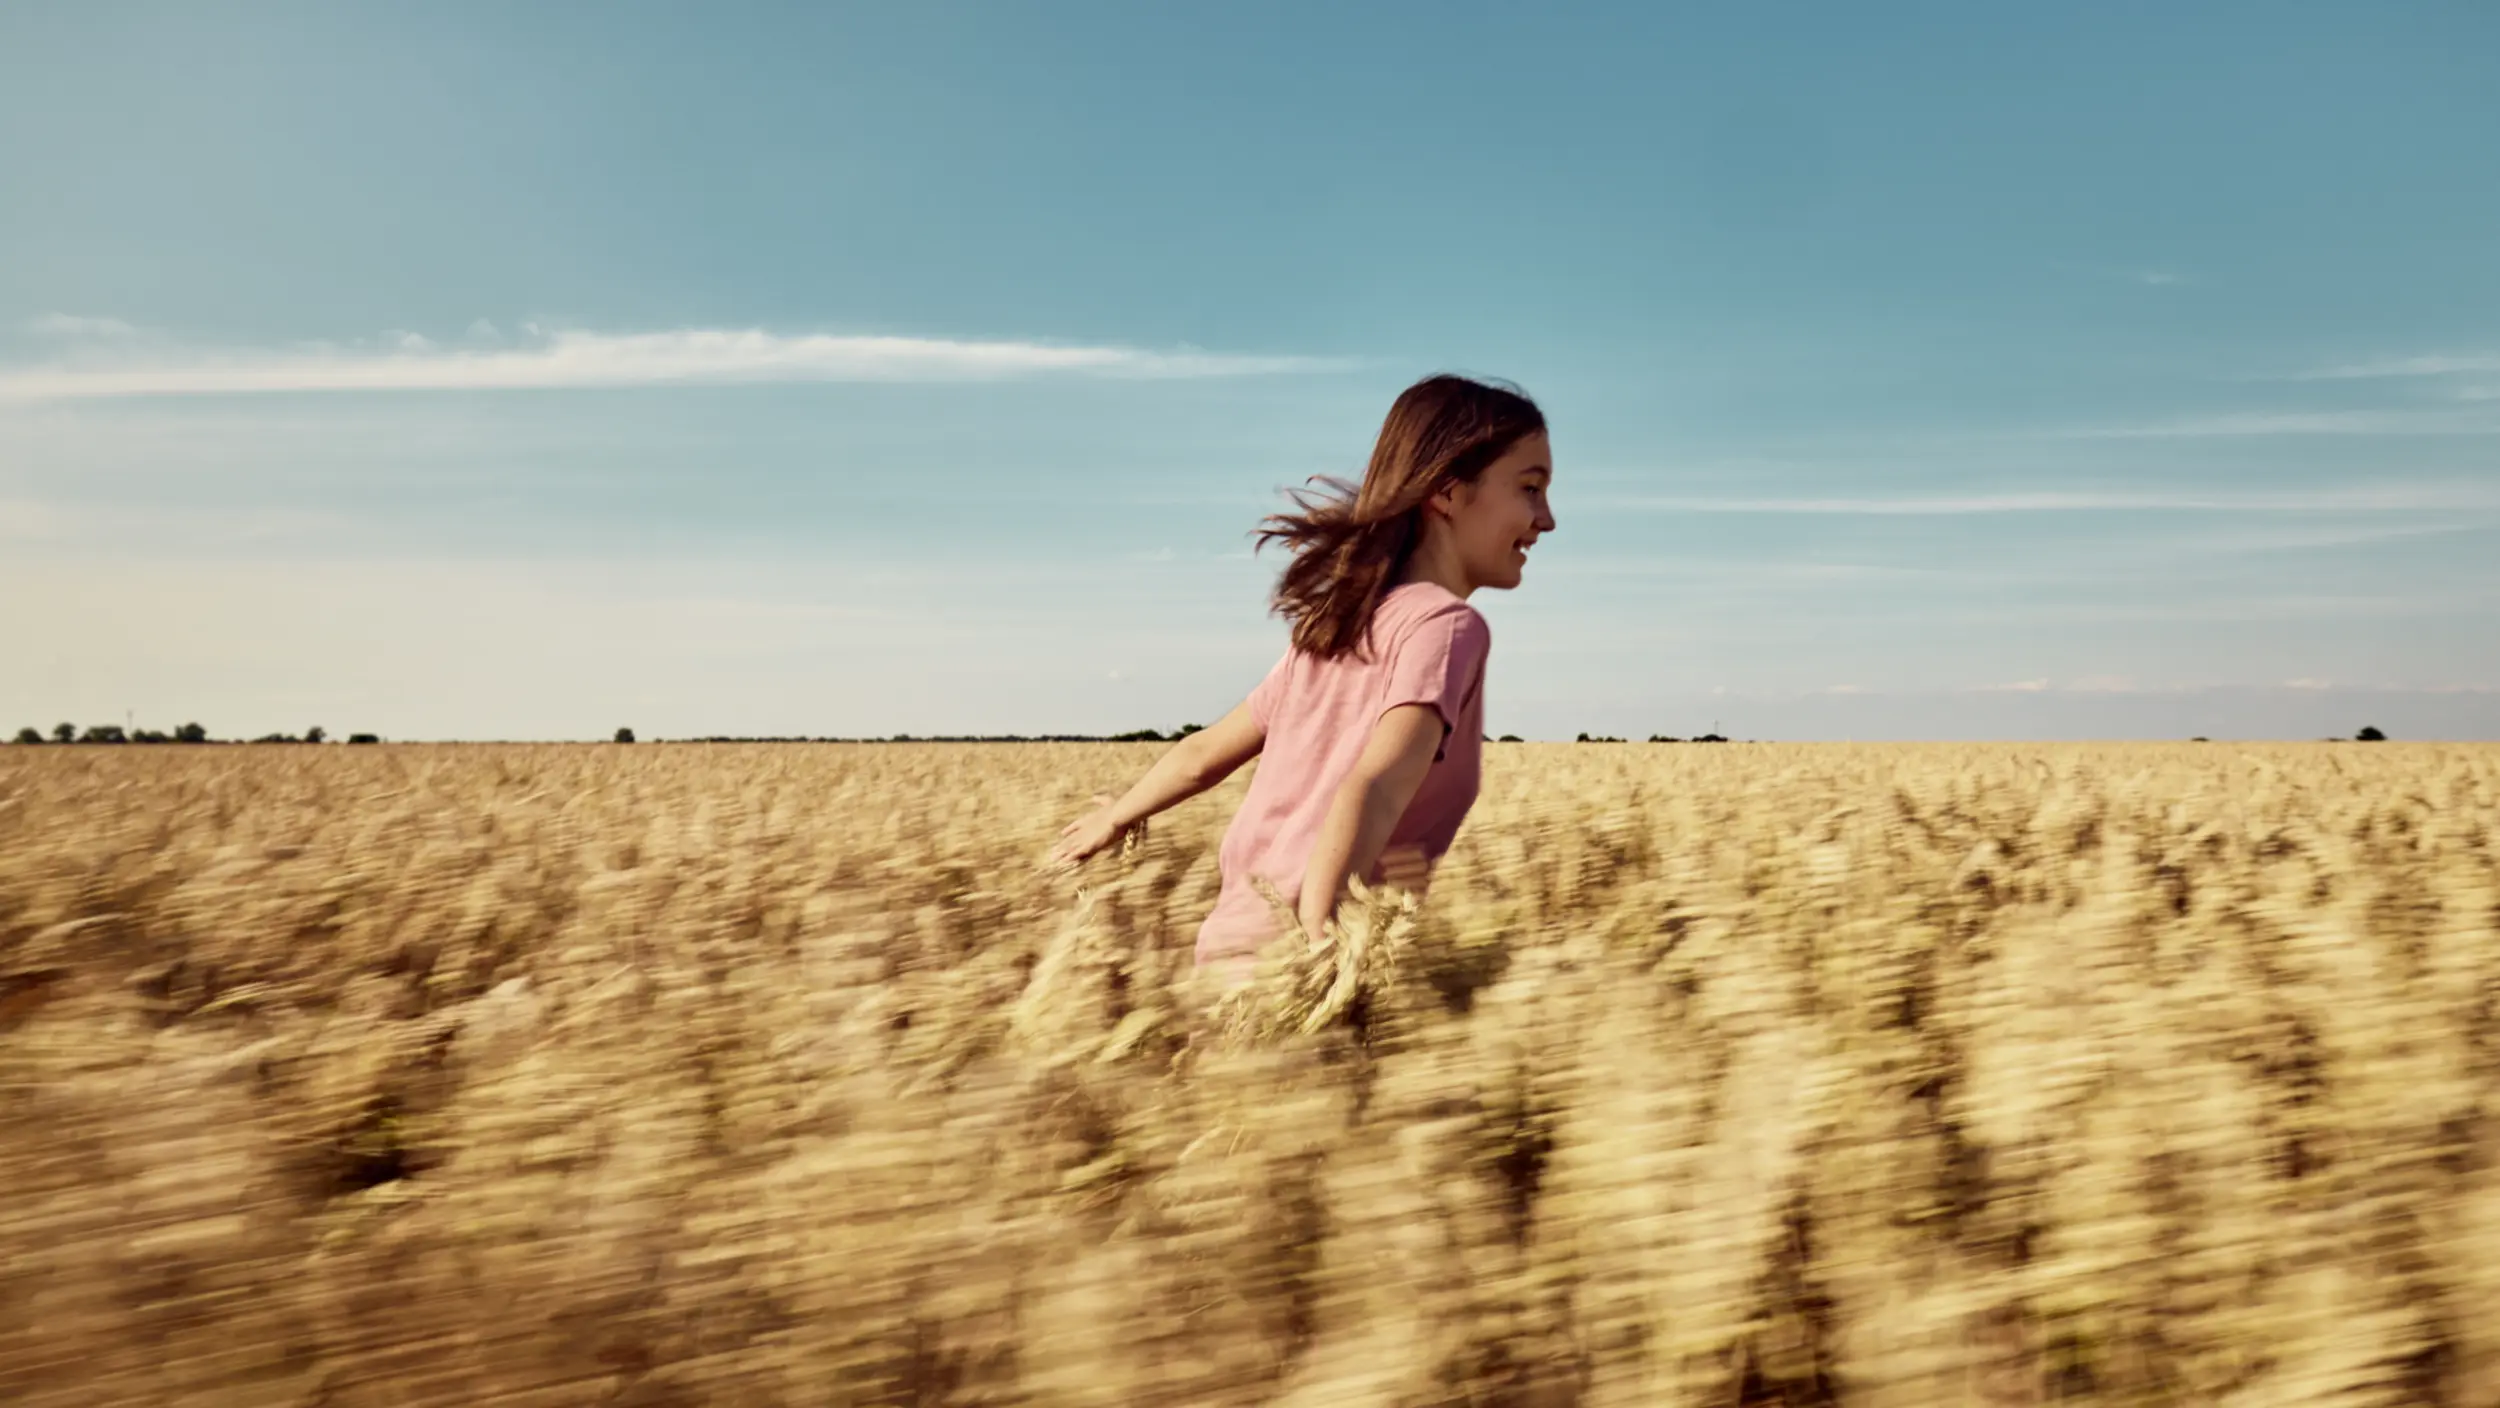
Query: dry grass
(766, 1075)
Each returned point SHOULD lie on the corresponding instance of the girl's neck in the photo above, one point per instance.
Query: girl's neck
(1434, 562)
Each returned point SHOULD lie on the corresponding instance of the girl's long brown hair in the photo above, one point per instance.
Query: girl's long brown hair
(1350, 545)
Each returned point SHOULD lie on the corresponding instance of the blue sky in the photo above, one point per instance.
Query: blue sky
(1948, 371)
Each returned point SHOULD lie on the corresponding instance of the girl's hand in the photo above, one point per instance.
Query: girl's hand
(1399, 868)
(1082, 838)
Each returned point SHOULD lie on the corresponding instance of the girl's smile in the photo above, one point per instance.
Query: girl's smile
(1479, 533)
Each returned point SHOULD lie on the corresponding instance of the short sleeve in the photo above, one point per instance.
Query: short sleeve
(1271, 692)
(1439, 661)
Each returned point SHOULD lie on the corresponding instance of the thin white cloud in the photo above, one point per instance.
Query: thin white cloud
(1730, 570)
(2466, 601)
(2314, 535)
(71, 325)
(2442, 364)
(2256, 423)
(2149, 277)
(2386, 498)
(690, 356)
(88, 527)
(2096, 684)
(2123, 685)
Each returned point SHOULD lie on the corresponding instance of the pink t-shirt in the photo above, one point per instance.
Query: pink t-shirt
(1427, 647)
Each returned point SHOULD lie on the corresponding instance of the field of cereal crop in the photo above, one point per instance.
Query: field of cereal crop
(773, 1075)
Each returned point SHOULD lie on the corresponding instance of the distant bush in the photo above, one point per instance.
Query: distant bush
(1510, 738)
(364, 738)
(190, 733)
(277, 738)
(1143, 735)
(64, 733)
(1597, 738)
(104, 733)
(314, 734)
(1710, 738)
(1188, 729)
(1662, 738)
(2200, 738)
(28, 735)
(624, 735)
(149, 735)
(2370, 735)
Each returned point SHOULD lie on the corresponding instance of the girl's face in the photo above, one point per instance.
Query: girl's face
(1494, 521)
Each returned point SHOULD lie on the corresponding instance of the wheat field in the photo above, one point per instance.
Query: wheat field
(774, 1075)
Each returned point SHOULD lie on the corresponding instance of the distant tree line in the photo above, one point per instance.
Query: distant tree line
(188, 733)
(1654, 738)
(1143, 735)
(194, 733)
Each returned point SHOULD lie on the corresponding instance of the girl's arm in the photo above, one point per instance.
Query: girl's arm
(1189, 767)
(1368, 806)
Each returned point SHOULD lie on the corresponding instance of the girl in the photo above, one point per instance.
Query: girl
(1370, 728)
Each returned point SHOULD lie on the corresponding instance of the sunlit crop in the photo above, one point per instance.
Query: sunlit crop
(775, 1075)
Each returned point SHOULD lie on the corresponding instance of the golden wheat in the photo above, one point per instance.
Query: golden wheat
(775, 1075)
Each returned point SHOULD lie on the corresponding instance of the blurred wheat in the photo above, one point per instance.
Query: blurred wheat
(774, 1075)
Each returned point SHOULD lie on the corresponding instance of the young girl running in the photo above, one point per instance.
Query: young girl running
(1369, 730)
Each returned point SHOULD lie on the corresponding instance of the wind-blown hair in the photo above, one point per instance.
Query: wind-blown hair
(1349, 545)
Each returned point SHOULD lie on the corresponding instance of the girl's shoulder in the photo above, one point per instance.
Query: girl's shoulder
(1416, 606)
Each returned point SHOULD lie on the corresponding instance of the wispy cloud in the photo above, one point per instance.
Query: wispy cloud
(2332, 534)
(2149, 277)
(1731, 569)
(2388, 498)
(2442, 364)
(88, 527)
(402, 361)
(2107, 685)
(72, 325)
(2465, 602)
(2120, 684)
(2259, 423)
